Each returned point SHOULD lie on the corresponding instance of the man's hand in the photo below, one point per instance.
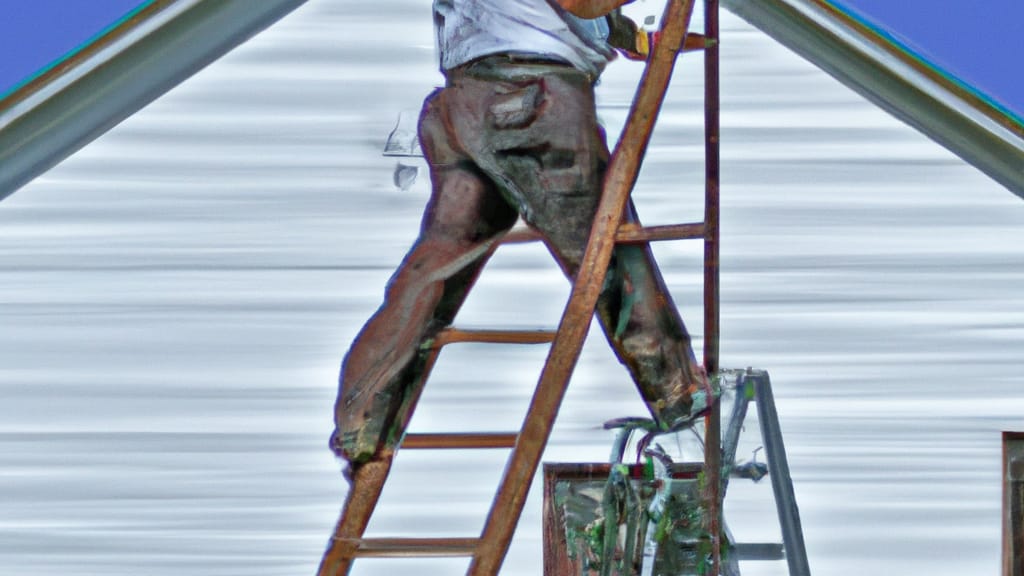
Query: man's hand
(591, 8)
(628, 38)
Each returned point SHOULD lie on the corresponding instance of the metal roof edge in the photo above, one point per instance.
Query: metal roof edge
(48, 119)
(894, 80)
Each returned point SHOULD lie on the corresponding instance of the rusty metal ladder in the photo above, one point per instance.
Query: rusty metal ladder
(489, 549)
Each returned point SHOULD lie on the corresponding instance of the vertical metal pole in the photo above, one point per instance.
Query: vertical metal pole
(778, 468)
(713, 423)
(731, 439)
(1013, 503)
(711, 187)
(713, 485)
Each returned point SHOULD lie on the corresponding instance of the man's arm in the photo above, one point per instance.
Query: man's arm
(591, 8)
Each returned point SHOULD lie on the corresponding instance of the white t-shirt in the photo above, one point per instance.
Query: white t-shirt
(470, 29)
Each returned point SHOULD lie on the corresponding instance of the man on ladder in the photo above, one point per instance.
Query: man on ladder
(513, 133)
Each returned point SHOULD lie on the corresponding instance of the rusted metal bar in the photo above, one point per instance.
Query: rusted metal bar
(443, 441)
(712, 495)
(556, 554)
(1013, 503)
(619, 180)
(631, 233)
(713, 423)
(453, 335)
(711, 187)
(416, 547)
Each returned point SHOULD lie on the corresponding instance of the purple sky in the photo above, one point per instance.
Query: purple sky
(35, 33)
(981, 42)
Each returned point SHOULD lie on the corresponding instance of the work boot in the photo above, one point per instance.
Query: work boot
(703, 398)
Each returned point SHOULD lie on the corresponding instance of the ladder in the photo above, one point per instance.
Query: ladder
(629, 490)
(489, 549)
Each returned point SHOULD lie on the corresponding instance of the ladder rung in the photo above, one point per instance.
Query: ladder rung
(465, 441)
(416, 547)
(633, 233)
(627, 232)
(760, 551)
(451, 335)
(695, 42)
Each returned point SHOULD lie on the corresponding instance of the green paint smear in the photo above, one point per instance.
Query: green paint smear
(71, 53)
(886, 36)
(748, 390)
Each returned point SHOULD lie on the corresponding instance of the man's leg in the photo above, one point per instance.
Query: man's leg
(550, 162)
(643, 325)
(385, 365)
